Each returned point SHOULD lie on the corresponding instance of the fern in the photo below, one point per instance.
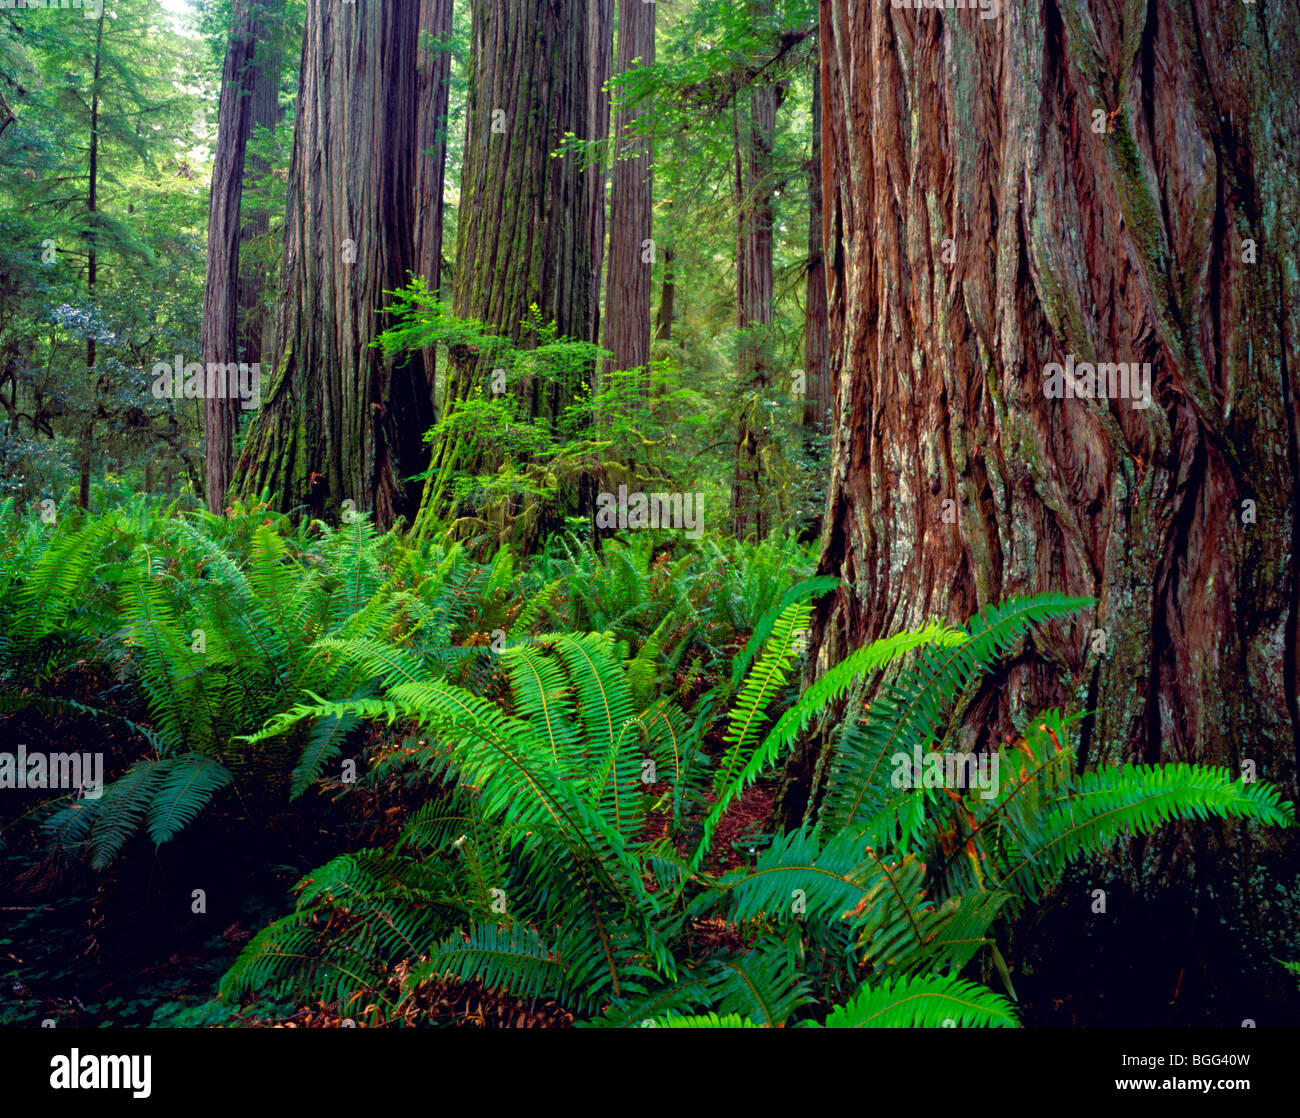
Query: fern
(923, 1002)
(904, 716)
(185, 787)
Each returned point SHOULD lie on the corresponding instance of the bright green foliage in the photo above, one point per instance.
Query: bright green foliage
(911, 1003)
(223, 624)
(568, 791)
(553, 890)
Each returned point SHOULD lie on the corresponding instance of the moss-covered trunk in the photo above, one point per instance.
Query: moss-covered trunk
(433, 70)
(1076, 183)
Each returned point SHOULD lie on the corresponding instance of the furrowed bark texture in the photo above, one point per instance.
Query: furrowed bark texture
(600, 49)
(627, 300)
(339, 422)
(1129, 244)
(222, 289)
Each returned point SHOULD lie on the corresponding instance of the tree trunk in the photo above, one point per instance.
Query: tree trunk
(87, 449)
(755, 136)
(667, 297)
(269, 35)
(527, 227)
(338, 421)
(433, 72)
(1104, 184)
(600, 46)
(221, 299)
(816, 337)
(627, 298)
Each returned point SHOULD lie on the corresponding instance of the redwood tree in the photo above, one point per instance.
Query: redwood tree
(529, 231)
(755, 136)
(339, 421)
(627, 300)
(270, 33)
(221, 300)
(1103, 182)
(431, 91)
(816, 339)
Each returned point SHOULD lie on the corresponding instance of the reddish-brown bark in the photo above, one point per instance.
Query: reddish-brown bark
(977, 229)
(339, 421)
(627, 300)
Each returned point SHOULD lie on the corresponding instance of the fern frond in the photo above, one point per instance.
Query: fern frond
(187, 785)
(511, 960)
(923, 1001)
(903, 717)
(704, 1021)
(794, 721)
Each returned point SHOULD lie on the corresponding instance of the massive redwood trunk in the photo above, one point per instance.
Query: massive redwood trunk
(627, 300)
(1106, 183)
(340, 422)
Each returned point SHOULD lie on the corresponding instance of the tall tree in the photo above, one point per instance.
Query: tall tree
(816, 338)
(755, 136)
(339, 421)
(433, 71)
(221, 302)
(594, 178)
(627, 299)
(86, 453)
(667, 298)
(1097, 186)
(271, 34)
(527, 226)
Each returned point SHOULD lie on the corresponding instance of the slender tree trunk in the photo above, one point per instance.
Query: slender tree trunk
(1075, 184)
(755, 136)
(627, 298)
(816, 338)
(338, 421)
(526, 232)
(87, 449)
(433, 70)
(221, 292)
(667, 297)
